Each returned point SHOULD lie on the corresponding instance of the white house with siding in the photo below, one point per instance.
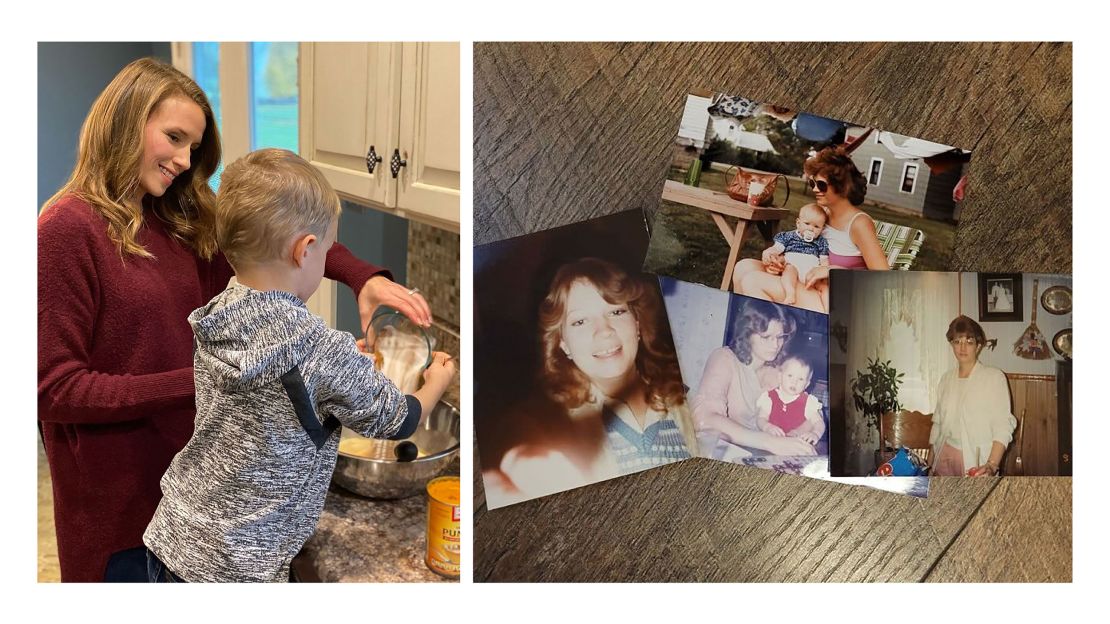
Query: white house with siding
(905, 184)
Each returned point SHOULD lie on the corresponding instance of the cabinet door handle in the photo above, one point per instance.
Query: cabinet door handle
(396, 162)
(372, 160)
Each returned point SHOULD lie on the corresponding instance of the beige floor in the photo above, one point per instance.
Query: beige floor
(49, 572)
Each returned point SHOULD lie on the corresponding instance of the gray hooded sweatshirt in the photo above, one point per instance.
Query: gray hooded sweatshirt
(273, 383)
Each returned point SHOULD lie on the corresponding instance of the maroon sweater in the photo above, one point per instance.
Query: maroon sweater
(115, 372)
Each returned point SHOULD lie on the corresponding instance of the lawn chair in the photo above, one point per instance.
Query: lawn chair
(900, 243)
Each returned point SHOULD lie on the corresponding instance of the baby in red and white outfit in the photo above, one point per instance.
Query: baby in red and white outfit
(789, 410)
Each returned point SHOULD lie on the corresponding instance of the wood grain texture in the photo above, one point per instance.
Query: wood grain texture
(703, 520)
(1037, 439)
(565, 132)
(1022, 533)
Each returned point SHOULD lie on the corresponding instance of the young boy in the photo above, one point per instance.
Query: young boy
(273, 384)
(789, 410)
(804, 248)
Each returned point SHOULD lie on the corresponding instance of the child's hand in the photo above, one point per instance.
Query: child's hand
(773, 261)
(440, 372)
(774, 430)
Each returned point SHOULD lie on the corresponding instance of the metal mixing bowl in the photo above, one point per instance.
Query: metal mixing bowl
(377, 473)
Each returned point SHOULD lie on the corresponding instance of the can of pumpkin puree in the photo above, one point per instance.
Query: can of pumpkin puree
(442, 556)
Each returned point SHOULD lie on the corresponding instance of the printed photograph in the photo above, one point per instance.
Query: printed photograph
(757, 375)
(927, 388)
(763, 201)
(997, 293)
(576, 378)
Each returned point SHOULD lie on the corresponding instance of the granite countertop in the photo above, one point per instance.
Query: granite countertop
(360, 540)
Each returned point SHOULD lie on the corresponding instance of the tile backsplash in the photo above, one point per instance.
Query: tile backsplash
(433, 267)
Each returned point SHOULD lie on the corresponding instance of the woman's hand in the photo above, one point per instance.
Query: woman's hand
(986, 470)
(789, 446)
(815, 275)
(380, 290)
(809, 438)
(768, 428)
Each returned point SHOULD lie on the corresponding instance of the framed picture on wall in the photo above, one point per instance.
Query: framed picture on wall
(1000, 297)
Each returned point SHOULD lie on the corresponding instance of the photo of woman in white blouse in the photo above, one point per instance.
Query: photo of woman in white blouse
(972, 423)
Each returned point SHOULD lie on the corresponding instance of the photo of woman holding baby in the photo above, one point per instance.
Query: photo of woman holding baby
(758, 392)
(849, 235)
(764, 201)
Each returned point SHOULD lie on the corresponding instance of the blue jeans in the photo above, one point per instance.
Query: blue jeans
(126, 566)
(157, 572)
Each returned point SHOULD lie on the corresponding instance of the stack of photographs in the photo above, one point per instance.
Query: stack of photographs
(785, 308)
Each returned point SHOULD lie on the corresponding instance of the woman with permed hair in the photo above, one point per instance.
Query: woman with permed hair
(608, 359)
(738, 374)
(126, 250)
(839, 189)
(972, 421)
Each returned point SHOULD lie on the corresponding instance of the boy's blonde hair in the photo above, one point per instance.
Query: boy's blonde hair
(267, 198)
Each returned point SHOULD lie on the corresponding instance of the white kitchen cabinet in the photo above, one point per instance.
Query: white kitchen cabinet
(402, 100)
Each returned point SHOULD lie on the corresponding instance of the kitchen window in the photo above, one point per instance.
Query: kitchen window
(253, 91)
(273, 95)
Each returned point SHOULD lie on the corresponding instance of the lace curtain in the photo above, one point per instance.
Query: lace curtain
(900, 316)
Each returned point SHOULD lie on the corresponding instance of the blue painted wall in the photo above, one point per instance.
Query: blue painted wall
(70, 76)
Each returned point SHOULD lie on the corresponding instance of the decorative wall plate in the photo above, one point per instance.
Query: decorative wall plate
(1062, 342)
(1057, 300)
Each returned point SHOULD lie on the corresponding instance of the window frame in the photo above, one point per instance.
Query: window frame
(902, 180)
(235, 130)
(871, 168)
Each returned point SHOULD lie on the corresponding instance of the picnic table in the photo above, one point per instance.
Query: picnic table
(720, 205)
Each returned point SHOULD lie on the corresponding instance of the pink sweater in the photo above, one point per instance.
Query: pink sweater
(729, 388)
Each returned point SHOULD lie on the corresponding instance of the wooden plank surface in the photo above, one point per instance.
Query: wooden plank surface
(1022, 534)
(567, 132)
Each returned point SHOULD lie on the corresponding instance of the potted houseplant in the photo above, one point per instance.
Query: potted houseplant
(875, 391)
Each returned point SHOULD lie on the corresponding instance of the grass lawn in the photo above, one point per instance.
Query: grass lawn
(686, 243)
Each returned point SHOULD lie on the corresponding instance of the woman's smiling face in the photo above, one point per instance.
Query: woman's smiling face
(827, 197)
(172, 132)
(601, 338)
